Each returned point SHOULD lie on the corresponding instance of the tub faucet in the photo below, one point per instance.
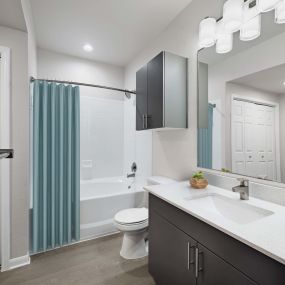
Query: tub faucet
(242, 189)
(131, 175)
(134, 169)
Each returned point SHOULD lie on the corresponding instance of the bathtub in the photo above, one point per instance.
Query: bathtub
(101, 199)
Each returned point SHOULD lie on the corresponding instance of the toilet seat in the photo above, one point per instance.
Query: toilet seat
(133, 216)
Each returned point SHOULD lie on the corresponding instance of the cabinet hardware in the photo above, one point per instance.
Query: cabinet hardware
(143, 120)
(146, 122)
(189, 261)
(197, 267)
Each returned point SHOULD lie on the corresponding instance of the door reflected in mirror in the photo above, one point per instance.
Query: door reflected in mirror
(241, 106)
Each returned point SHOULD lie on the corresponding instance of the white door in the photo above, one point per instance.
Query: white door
(253, 140)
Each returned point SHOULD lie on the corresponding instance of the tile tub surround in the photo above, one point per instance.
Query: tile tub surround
(95, 262)
(265, 235)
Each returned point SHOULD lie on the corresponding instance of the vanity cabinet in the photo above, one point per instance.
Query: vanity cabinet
(185, 250)
(161, 93)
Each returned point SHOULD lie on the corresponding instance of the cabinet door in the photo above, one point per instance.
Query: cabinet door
(141, 98)
(171, 253)
(213, 270)
(155, 92)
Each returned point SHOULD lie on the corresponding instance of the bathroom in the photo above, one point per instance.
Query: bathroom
(99, 187)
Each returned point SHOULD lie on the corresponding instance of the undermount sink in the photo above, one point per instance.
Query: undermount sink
(235, 210)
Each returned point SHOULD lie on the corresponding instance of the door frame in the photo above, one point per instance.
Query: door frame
(5, 141)
(276, 118)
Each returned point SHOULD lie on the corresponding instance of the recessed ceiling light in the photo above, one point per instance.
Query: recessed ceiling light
(88, 47)
(284, 83)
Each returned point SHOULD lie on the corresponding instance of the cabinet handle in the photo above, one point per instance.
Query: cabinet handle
(146, 121)
(197, 266)
(189, 261)
(143, 121)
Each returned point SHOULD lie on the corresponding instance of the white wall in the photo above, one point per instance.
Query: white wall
(175, 152)
(17, 41)
(32, 46)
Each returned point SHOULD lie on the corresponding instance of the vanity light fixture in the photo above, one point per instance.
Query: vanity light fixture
(233, 15)
(280, 13)
(207, 32)
(88, 47)
(224, 42)
(238, 15)
(251, 27)
(267, 5)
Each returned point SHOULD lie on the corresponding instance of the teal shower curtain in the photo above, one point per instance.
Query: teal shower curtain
(56, 172)
(205, 142)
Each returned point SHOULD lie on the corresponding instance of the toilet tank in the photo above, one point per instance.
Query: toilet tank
(156, 180)
(159, 180)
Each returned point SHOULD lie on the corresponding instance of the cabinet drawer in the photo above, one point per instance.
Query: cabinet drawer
(241, 256)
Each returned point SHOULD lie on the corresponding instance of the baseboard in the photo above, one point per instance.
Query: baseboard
(19, 261)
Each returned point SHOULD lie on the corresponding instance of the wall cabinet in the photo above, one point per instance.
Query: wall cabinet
(161, 93)
(185, 250)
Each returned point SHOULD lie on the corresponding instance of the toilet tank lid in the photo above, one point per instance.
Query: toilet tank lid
(157, 180)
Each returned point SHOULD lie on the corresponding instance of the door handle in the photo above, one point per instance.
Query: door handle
(146, 121)
(143, 120)
(197, 265)
(189, 261)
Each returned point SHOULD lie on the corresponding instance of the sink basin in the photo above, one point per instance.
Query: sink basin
(234, 210)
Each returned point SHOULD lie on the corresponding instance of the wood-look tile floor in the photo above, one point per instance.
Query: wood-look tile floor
(93, 262)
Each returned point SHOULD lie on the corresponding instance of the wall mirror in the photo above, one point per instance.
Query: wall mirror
(241, 105)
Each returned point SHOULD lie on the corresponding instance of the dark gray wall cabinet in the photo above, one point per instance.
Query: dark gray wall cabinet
(184, 250)
(161, 87)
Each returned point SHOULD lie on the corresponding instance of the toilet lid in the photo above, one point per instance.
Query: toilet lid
(131, 216)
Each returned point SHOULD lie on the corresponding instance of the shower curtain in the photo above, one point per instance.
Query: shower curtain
(205, 142)
(56, 165)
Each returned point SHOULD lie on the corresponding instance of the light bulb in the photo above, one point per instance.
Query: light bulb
(207, 32)
(224, 42)
(233, 15)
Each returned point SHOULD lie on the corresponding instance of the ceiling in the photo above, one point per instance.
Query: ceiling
(117, 29)
(269, 80)
(11, 15)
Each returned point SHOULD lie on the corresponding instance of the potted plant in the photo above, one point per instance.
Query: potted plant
(198, 180)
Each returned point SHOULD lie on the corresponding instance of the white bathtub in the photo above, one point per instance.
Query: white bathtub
(101, 199)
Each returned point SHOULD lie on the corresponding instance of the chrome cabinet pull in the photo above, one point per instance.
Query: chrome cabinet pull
(146, 121)
(143, 121)
(197, 265)
(189, 261)
(196, 262)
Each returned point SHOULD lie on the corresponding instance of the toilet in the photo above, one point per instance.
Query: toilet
(133, 223)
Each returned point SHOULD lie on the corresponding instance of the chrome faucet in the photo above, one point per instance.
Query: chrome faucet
(134, 169)
(242, 189)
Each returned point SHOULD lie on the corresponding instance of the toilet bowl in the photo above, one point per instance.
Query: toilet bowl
(134, 223)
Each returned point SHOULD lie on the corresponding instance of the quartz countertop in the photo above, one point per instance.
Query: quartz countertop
(266, 234)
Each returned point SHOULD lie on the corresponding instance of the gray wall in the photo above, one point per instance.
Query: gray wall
(18, 42)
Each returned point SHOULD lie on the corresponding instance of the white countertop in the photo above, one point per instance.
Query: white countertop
(266, 235)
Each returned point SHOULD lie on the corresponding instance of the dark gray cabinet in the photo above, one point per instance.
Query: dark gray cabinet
(212, 257)
(161, 93)
(213, 270)
(171, 254)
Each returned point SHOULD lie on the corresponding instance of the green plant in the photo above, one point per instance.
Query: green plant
(198, 175)
(226, 170)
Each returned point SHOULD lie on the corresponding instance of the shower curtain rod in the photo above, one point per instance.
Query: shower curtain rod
(127, 92)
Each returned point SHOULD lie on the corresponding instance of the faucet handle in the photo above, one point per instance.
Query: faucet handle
(243, 182)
